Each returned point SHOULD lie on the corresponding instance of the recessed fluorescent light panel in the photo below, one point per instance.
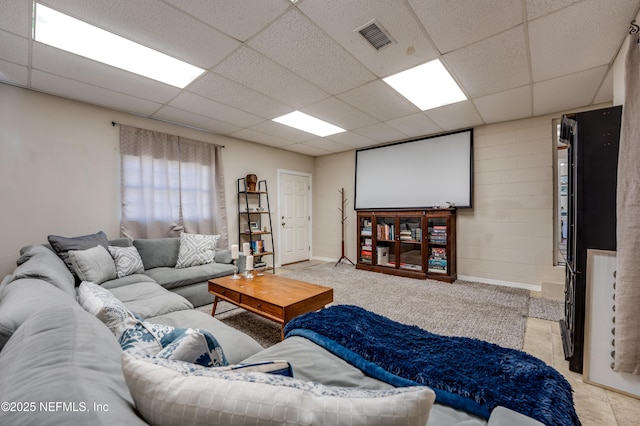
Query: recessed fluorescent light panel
(64, 32)
(427, 86)
(309, 124)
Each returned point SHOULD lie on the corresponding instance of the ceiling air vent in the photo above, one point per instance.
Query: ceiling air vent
(375, 34)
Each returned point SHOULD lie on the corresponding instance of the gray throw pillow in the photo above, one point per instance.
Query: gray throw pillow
(94, 265)
(127, 260)
(62, 245)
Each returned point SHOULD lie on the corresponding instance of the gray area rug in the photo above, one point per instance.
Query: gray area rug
(492, 313)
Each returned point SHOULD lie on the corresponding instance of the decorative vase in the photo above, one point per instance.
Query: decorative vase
(251, 182)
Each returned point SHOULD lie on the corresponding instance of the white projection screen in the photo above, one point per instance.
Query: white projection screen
(419, 173)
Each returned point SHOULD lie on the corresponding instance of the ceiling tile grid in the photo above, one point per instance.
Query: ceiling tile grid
(264, 58)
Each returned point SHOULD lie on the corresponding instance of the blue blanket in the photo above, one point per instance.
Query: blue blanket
(465, 373)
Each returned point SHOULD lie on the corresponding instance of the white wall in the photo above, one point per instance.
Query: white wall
(59, 168)
(507, 238)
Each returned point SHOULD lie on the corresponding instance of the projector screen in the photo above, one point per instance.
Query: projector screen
(416, 174)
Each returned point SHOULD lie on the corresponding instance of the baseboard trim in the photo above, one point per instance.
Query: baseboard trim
(531, 287)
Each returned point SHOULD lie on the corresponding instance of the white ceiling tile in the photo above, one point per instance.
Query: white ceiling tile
(538, 8)
(13, 48)
(68, 65)
(13, 74)
(154, 24)
(381, 133)
(352, 139)
(328, 145)
(415, 125)
(455, 24)
(189, 119)
(505, 106)
(84, 92)
(283, 132)
(238, 18)
(299, 45)
(248, 67)
(605, 93)
(492, 65)
(379, 100)
(221, 89)
(455, 116)
(596, 25)
(570, 91)
(339, 113)
(203, 106)
(259, 137)
(15, 17)
(307, 150)
(339, 19)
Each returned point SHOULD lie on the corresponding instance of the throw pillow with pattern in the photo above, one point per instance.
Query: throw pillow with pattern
(127, 260)
(196, 249)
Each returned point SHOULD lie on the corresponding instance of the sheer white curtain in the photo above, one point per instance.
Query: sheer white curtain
(627, 293)
(170, 185)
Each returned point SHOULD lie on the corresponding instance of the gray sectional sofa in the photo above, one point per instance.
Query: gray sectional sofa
(59, 364)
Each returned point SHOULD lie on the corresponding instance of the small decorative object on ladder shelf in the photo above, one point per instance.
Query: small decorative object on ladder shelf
(251, 182)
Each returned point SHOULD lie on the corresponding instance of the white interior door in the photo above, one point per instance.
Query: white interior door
(295, 217)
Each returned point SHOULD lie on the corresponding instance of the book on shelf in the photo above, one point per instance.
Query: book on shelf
(257, 246)
(438, 253)
(385, 231)
(437, 265)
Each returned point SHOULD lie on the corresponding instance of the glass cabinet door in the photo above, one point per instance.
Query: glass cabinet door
(410, 238)
(385, 241)
(366, 240)
(437, 240)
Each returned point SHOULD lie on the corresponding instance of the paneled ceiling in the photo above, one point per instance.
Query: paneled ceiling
(264, 58)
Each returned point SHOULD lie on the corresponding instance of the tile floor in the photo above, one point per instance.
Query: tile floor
(595, 406)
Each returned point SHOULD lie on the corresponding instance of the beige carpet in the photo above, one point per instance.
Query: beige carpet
(493, 313)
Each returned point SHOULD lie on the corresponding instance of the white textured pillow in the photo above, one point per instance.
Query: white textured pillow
(127, 260)
(196, 249)
(106, 307)
(94, 265)
(167, 397)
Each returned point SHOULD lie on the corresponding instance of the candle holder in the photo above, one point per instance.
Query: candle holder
(235, 275)
(248, 274)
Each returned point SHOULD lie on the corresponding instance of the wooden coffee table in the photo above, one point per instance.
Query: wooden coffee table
(274, 297)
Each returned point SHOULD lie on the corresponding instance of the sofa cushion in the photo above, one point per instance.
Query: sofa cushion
(38, 261)
(165, 396)
(148, 299)
(196, 249)
(173, 277)
(158, 252)
(223, 256)
(24, 297)
(94, 264)
(128, 280)
(127, 260)
(235, 344)
(64, 355)
(62, 245)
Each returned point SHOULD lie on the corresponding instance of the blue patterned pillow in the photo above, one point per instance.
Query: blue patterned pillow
(165, 342)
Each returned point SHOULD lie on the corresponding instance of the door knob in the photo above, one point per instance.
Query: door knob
(283, 223)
